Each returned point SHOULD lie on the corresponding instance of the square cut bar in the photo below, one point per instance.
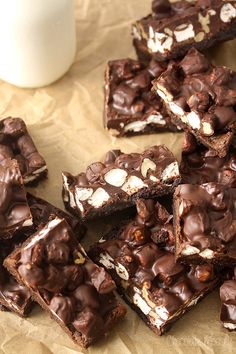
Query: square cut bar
(205, 223)
(66, 283)
(16, 143)
(15, 213)
(14, 296)
(140, 258)
(131, 108)
(202, 99)
(201, 165)
(228, 303)
(176, 26)
(117, 182)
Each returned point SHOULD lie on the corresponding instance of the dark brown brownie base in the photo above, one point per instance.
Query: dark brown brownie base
(130, 202)
(144, 55)
(149, 129)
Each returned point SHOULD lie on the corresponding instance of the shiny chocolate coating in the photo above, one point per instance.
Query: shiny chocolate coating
(228, 303)
(14, 210)
(119, 180)
(16, 143)
(173, 27)
(201, 165)
(205, 223)
(130, 106)
(66, 283)
(14, 296)
(150, 267)
(201, 98)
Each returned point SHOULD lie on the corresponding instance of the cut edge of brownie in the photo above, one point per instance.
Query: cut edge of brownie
(110, 209)
(117, 313)
(145, 55)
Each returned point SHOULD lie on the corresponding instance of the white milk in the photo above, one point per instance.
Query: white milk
(37, 40)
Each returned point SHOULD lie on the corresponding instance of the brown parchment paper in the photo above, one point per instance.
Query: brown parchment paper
(65, 120)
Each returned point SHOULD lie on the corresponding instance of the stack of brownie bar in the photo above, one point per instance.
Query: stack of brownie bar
(180, 242)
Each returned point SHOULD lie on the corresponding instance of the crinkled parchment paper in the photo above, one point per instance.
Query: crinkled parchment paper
(65, 120)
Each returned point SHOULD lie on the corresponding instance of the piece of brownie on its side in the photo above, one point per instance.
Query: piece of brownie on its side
(228, 303)
(201, 98)
(176, 26)
(140, 258)
(66, 283)
(16, 143)
(131, 108)
(14, 296)
(116, 183)
(15, 213)
(205, 223)
(201, 165)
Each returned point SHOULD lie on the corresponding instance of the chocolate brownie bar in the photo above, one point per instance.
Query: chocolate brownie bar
(131, 108)
(142, 263)
(14, 296)
(202, 99)
(117, 182)
(205, 223)
(66, 283)
(16, 143)
(200, 164)
(15, 213)
(228, 303)
(176, 26)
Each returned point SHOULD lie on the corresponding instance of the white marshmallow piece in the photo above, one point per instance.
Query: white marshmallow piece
(116, 177)
(133, 185)
(227, 13)
(99, 197)
(184, 32)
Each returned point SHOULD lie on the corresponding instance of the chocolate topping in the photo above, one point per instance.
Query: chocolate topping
(200, 164)
(206, 223)
(228, 306)
(118, 181)
(14, 210)
(16, 143)
(174, 27)
(17, 297)
(146, 272)
(130, 106)
(65, 282)
(207, 96)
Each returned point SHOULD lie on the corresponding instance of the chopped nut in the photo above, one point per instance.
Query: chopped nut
(204, 272)
(147, 164)
(80, 259)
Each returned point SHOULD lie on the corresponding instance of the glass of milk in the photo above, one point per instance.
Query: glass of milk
(37, 41)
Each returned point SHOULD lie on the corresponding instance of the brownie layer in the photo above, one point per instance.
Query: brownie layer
(175, 27)
(119, 180)
(66, 283)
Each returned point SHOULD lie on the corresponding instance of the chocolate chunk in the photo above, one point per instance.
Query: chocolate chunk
(228, 304)
(86, 308)
(210, 113)
(157, 288)
(16, 143)
(130, 106)
(13, 295)
(15, 214)
(205, 223)
(120, 181)
(200, 164)
(174, 27)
